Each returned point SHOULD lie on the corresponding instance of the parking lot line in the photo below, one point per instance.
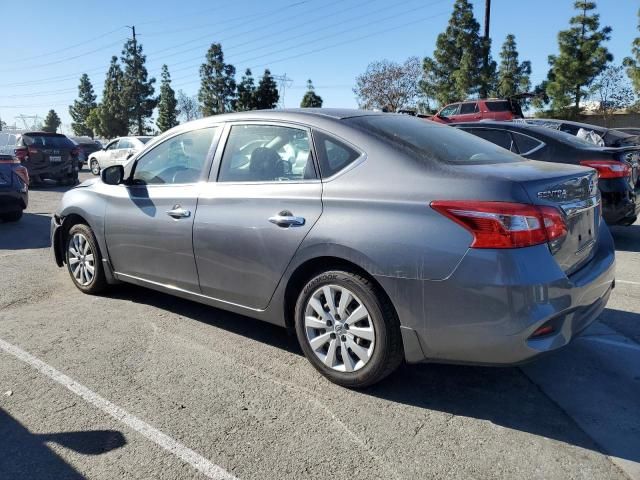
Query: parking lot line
(628, 282)
(187, 455)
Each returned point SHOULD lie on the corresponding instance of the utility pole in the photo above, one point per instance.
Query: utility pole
(487, 21)
(136, 63)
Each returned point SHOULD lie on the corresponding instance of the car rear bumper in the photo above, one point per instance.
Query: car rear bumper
(488, 309)
(52, 170)
(621, 208)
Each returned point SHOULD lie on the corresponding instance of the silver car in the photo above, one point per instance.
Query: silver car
(377, 237)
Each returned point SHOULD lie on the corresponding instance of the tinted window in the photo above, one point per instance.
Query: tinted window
(467, 108)
(47, 141)
(502, 138)
(266, 153)
(449, 110)
(525, 143)
(178, 159)
(499, 106)
(428, 141)
(333, 155)
(144, 139)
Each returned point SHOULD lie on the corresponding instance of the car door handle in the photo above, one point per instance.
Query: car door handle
(178, 212)
(287, 219)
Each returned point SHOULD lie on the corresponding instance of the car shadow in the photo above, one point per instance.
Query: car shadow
(625, 322)
(49, 186)
(24, 454)
(626, 238)
(503, 396)
(31, 231)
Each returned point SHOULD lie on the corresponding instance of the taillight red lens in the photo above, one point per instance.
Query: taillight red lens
(21, 153)
(609, 168)
(23, 173)
(504, 224)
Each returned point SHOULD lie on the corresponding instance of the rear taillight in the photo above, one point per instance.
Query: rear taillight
(23, 173)
(609, 168)
(21, 153)
(503, 224)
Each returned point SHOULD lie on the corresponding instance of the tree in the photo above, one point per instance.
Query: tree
(167, 112)
(311, 99)
(217, 84)
(51, 122)
(3, 125)
(389, 85)
(137, 89)
(112, 112)
(188, 106)
(266, 95)
(612, 91)
(456, 70)
(633, 63)
(513, 76)
(581, 59)
(93, 122)
(246, 92)
(81, 107)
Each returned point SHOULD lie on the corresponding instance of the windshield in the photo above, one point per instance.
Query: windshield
(424, 140)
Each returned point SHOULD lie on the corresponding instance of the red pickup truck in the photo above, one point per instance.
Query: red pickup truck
(476, 110)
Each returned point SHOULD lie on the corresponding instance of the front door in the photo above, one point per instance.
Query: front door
(251, 221)
(149, 221)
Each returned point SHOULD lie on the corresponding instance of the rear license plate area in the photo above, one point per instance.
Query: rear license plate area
(55, 159)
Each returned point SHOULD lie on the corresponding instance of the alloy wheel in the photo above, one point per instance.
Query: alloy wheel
(81, 259)
(95, 167)
(339, 329)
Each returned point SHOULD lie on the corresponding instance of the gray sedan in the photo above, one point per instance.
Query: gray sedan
(377, 237)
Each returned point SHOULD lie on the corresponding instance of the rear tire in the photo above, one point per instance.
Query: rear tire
(94, 166)
(11, 216)
(354, 338)
(84, 260)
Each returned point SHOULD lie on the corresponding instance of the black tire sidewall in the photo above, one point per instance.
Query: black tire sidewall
(98, 282)
(375, 369)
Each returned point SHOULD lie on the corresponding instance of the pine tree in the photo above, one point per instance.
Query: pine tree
(188, 106)
(167, 112)
(113, 115)
(137, 89)
(51, 122)
(633, 63)
(81, 108)
(267, 95)
(582, 58)
(246, 92)
(456, 69)
(311, 99)
(513, 76)
(217, 84)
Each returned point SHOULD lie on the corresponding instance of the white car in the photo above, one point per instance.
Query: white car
(116, 152)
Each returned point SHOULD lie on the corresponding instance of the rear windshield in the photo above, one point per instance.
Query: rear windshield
(428, 141)
(47, 141)
(499, 106)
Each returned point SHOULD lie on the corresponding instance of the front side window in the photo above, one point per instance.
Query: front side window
(125, 143)
(449, 110)
(467, 108)
(178, 159)
(112, 146)
(267, 153)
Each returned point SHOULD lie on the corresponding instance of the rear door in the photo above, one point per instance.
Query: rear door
(469, 112)
(263, 197)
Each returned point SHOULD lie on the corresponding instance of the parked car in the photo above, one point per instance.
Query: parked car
(605, 137)
(375, 236)
(476, 110)
(86, 146)
(48, 156)
(617, 167)
(117, 151)
(14, 188)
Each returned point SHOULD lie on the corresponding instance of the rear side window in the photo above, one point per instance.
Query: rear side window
(427, 141)
(499, 106)
(47, 141)
(467, 108)
(502, 138)
(525, 143)
(333, 154)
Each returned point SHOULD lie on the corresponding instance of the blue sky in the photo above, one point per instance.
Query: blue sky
(49, 44)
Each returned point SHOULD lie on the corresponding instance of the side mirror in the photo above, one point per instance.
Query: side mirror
(113, 175)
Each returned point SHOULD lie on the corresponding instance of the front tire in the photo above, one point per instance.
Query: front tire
(348, 329)
(84, 261)
(94, 166)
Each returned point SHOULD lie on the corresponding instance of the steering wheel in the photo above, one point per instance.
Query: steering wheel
(283, 168)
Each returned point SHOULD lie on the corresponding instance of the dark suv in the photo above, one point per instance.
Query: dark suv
(48, 155)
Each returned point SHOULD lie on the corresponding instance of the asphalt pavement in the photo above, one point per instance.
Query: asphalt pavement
(138, 384)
